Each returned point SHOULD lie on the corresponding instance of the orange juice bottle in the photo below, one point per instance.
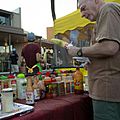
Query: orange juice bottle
(78, 81)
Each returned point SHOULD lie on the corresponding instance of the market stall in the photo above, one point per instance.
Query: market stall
(57, 99)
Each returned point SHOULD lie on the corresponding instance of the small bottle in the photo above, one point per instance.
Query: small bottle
(78, 81)
(36, 89)
(29, 91)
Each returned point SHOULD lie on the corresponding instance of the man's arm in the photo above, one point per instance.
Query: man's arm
(38, 57)
(101, 49)
(22, 59)
(104, 48)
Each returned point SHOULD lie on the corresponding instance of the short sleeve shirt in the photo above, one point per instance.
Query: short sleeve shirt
(104, 73)
(108, 23)
(29, 53)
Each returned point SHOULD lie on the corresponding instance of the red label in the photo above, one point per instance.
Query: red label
(13, 81)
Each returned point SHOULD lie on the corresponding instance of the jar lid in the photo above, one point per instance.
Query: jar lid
(7, 90)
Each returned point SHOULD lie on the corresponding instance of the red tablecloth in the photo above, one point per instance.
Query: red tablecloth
(68, 107)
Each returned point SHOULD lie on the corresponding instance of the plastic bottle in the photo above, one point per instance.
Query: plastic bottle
(78, 81)
(36, 89)
(21, 86)
(29, 92)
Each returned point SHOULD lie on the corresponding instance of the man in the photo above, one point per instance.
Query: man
(31, 54)
(104, 56)
(14, 59)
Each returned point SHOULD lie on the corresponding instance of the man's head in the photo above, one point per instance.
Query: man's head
(89, 8)
(31, 37)
(13, 50)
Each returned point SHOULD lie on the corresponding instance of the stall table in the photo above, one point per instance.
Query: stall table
(68, 107)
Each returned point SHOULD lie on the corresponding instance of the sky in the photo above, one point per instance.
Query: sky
(36, 14)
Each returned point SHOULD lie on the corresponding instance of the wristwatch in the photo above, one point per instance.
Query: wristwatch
(79, 53)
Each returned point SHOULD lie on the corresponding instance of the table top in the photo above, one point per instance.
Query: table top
(68, 107)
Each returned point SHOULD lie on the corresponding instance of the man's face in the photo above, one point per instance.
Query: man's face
(88, 9)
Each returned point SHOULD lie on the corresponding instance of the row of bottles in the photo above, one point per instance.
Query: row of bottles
(32, 88)
(35, 89)
(78, 80)
(65, 83)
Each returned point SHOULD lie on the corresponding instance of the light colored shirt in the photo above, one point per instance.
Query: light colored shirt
(104, 73)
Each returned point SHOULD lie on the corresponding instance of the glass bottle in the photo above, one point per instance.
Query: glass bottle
(29, 91)
(36, 89)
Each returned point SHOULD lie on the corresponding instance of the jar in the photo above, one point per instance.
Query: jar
(7, 100)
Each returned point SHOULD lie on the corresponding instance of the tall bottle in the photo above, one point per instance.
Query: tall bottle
(29, 91)
(36, 89)
(78, 81)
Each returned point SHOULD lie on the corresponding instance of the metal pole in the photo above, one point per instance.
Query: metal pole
(53, 9)
(77, 3)
(9, 40)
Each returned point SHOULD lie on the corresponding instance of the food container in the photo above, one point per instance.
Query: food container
(55, 89)
(13, 85)
(7, 100)
(61, 88)
(4, 82)
(21, 86)
(67, 87)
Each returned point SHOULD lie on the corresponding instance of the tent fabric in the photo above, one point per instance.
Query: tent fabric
(118, 1)
(69, 22)
(72, 21)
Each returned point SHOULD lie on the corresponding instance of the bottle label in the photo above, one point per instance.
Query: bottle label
(29, 98)
(67, 87)
(61, 88)
(78, 85)
(72, 87)
(36, 94)
(13, 81)
(23, 90)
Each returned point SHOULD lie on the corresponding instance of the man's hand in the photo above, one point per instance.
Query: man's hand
(72, 50)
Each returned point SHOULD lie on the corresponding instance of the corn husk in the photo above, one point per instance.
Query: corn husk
(59, 42)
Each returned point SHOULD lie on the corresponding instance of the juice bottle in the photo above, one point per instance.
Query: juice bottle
(78, 81)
